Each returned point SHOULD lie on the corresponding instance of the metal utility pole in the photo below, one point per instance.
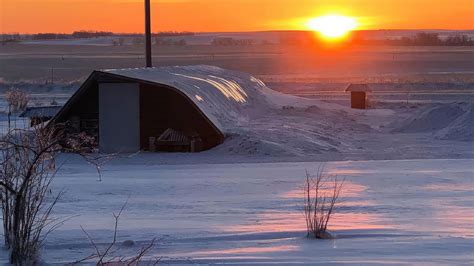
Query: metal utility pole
(148, 34)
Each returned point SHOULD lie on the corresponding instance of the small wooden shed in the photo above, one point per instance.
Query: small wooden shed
(359, 94)
(40, 114)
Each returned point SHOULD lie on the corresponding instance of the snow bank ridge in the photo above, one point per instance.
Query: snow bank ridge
(448, 122)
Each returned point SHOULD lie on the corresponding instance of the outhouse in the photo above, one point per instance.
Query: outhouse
(359, 93)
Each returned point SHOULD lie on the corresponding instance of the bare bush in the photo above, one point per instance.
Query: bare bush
(321, 194)
(17, 100)
(98, 161)
(86, 146)
(108, 255)
(27, 168)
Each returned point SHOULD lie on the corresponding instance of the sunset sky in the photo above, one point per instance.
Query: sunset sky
(32, 16)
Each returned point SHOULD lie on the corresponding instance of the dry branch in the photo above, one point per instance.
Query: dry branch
(27, 168)
(107, 256)
(321, 194)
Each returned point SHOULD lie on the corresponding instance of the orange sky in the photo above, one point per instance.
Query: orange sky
(31, 16)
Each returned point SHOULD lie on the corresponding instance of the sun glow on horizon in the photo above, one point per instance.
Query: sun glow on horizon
(332, 26)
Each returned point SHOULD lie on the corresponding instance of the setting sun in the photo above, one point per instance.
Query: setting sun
(332, 26)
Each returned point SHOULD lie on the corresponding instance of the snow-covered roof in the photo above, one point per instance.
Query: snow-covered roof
(41, 111)
(358, 88)
(227, 98)
(222, 95)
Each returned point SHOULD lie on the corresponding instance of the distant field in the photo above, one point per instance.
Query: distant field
(396, 74)
(71, 62)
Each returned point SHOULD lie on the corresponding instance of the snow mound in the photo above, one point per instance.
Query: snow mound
(249, 145)
(461, 129)
(432, 119)
(452, 121)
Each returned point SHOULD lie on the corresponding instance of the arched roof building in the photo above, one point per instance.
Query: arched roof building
(189, 108)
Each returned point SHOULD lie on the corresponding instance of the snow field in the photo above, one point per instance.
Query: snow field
(406, 211)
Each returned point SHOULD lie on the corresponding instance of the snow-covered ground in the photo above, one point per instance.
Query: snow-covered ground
(240, 203)
(409, 194)
(391, 212)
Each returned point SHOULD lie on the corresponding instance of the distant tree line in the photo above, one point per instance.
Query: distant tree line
(74, 35)
(422, 39)
(50, 36)
(225, 41)
(306, 38)
(9, 38)
(91, 34)
(459, 40)
(297, 38)
(173, 33)
(158, 34)
(84, 35)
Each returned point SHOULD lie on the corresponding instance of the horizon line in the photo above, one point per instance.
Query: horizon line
(209, 32)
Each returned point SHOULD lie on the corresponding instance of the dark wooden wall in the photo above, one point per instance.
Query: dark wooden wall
(358, 100)
(87, 105)
(163, 107)
(86, 109)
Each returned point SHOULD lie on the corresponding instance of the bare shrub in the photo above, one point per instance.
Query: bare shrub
(27, 168)
(86, 147)
(98, 161)
(108, 255)
(17, 100)
(321, 194)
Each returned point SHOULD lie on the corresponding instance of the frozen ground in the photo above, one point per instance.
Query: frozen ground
(240, 203)
(392, 212)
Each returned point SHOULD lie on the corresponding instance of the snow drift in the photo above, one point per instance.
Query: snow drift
(435, 118)
(447, 121)
(461, 129)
